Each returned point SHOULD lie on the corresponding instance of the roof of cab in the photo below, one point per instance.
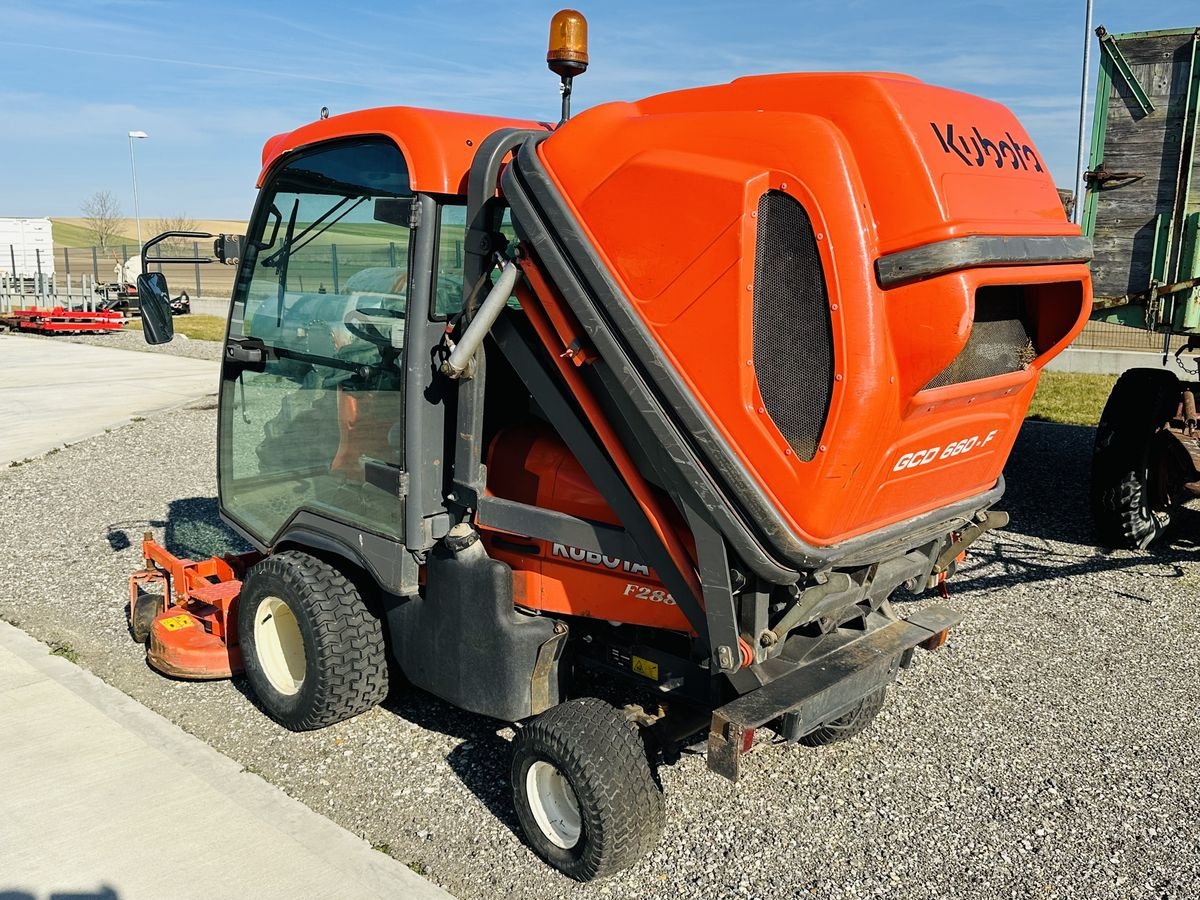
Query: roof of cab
(437, 145)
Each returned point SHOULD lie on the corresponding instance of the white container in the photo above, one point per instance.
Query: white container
(20, 241)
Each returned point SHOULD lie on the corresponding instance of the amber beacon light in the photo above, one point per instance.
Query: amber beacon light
(567, 53)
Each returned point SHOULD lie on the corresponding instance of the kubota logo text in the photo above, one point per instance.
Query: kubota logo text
(976, 149)
(598, 559)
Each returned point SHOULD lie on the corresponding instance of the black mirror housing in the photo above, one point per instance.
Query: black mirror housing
(227, 248)
(155, 301)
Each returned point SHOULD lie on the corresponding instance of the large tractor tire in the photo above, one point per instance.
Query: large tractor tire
(585, 795)
(314, 654)
(1131, 492)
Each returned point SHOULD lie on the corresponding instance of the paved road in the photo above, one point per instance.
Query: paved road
(104, 799)
(55, 392)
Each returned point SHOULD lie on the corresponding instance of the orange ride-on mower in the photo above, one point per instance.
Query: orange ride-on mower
(625, 430)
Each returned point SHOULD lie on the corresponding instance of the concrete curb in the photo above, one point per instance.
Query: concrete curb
(324, 840)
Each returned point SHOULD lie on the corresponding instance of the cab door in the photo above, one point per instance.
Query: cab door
(312, 410)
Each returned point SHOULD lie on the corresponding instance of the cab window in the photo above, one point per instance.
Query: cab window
(448, 269)
(324, 287)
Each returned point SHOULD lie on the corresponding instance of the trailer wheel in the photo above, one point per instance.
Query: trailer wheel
(1130, 486)
(313, 652)
(584, 791)
(851, 724)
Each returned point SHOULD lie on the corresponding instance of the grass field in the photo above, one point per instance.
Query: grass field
(193, 327)
(1070, 398)
(73, 232)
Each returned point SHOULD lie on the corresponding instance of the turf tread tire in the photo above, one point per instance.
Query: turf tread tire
(851, 724)
(1141, 401)
(346, 670)
(602, 756)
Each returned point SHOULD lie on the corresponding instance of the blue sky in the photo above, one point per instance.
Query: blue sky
(210, 81)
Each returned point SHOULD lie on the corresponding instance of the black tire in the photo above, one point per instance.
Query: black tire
(1130, 493)
(142, 613)
(851, 724)
(343, 670)
(600, 754)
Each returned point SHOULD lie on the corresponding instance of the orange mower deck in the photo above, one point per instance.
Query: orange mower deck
(191, 626)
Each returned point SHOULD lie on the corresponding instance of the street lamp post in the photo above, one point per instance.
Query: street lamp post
(140, 135)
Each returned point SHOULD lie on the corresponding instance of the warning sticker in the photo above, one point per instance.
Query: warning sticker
(645, 667)
(174, 623)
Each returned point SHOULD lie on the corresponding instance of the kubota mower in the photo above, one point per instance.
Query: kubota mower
(622, 430)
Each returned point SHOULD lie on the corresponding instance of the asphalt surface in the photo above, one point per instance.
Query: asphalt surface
(133, 339)
(54, 393)
(1048, 750)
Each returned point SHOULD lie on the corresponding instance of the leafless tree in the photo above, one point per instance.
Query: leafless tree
(175, 246)
(102, 214)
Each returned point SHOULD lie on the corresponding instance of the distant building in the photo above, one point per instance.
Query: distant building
(26, 247)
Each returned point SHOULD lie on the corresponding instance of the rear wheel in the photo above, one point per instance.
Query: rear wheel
(1131, 494)
(584, 792)
(313, 652)
(849, 725)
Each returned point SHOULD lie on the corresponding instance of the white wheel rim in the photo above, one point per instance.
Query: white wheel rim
(553, 804)
(279, 645)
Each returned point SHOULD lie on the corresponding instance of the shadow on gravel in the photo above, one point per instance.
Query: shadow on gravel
(1047, 496)
(193, 529)
(1047, 483)
(481, 762)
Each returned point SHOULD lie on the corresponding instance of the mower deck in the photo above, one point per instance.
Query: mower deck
(191, 626)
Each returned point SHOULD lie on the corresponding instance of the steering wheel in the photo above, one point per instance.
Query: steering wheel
(369, 331)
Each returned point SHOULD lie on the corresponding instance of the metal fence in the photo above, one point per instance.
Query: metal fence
(48, 291)
(324, 267)
(78, 271)
(69, 267)
(1106, 336)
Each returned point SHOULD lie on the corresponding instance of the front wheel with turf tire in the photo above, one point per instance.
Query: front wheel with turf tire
(849, 725)
(313, 652)
(584, 791)
(1131, 477)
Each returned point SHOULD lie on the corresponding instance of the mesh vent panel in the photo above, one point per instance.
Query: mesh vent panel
(793, 338)
(999, 343)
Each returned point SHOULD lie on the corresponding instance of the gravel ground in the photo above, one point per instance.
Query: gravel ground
(130, 339)
(1049, 750)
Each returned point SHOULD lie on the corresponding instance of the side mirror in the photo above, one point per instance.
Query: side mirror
(155, 301)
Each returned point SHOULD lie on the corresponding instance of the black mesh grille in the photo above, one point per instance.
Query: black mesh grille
(999, 342)
(793, 338)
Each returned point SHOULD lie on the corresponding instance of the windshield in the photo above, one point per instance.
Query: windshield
(337, 224)
(324, 286)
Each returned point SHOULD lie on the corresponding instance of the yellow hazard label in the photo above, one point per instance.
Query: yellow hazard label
(645, 667)
(174, 623)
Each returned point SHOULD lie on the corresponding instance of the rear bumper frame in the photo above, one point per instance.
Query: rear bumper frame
(824, 688)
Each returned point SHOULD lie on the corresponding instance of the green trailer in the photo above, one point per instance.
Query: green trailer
(1142, 212)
